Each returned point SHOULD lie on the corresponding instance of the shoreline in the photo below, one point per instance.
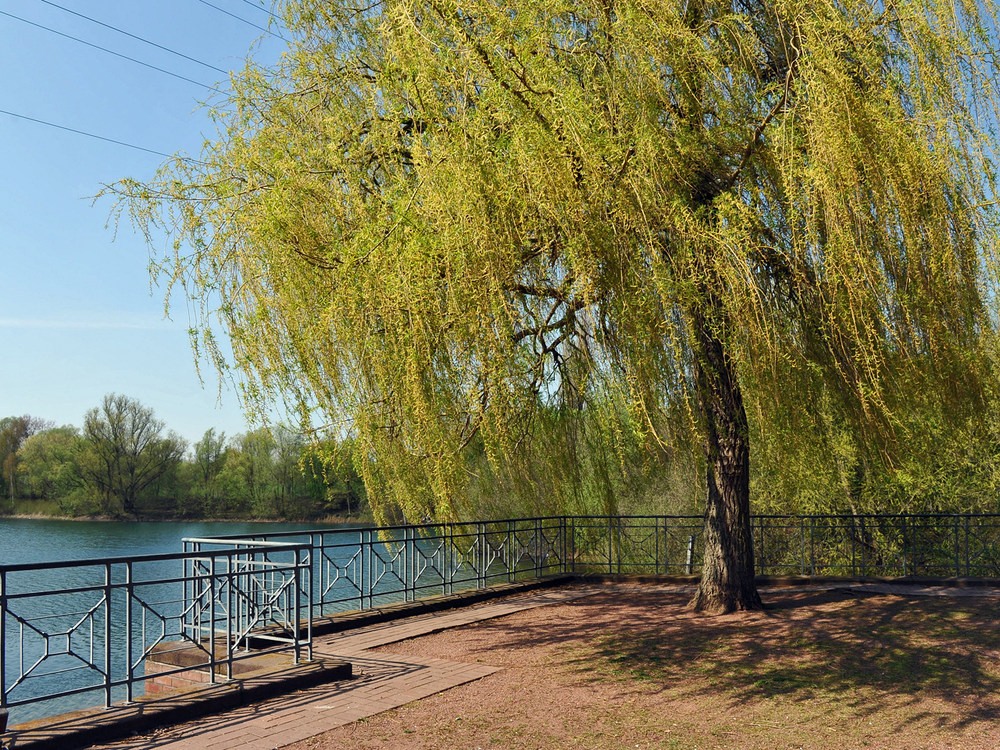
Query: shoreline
(333, 520)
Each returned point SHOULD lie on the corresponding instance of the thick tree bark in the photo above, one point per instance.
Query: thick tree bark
(727, 578)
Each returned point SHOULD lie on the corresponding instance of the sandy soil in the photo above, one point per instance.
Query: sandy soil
(830, 670)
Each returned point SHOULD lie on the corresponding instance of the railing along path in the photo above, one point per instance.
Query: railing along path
(71, 629)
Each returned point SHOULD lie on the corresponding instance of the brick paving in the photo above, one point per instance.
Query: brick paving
(381, 682)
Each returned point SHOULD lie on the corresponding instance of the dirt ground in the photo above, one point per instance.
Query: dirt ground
(834, 670)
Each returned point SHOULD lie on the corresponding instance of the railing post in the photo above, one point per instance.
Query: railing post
(415, 571)
(564, 526)
(618, 543)
(864, 548)
(854, 544)
(297, 616)
(802, 546)
(903, 518)
(448, 532)
(812, 546)
(958, 570)
(968, 573)
(760, 555)
(538, 548)
(307, 573)
(128, 631)
(241, 574)
(565, 545)
(610, 548)
(211, 619)
(454, 557)
(107, 635)
(409, 592)
(656, 531)
(192, 601)
(483, 557)
(572, 543)
(367, 553)
(3, 640)
(510, 549)
(186, 601)
(315, 576)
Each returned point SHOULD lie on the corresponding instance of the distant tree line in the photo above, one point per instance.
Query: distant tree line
(123, 462)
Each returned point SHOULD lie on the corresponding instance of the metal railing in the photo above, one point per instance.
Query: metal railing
(79, 633)
(257, 590)
(363, 568)
(935, 545)
(76, 627)
(358, 569)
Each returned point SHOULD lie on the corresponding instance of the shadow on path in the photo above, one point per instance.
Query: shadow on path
(923, 658)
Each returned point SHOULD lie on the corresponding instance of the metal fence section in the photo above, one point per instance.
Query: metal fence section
(74, 628)
(246, 590)
(364, 568)
(359, 569)
(873, 545)
(622, 545)
(79, 633)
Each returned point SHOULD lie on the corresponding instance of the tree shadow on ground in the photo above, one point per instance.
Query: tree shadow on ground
(920, 659)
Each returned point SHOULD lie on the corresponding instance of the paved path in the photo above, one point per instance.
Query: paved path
(381, 682)
(898, 589)
(384, 681)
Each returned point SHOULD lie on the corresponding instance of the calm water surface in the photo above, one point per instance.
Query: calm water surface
(34, 541)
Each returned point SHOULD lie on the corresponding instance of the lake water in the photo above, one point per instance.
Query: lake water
(30, 623)
(35, 541)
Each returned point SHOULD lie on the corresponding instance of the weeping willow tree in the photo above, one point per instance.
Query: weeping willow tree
(436, 224)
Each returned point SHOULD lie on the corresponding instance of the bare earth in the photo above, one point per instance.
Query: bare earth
(816, 670)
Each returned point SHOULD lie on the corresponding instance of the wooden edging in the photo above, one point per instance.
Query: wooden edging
(92, 726)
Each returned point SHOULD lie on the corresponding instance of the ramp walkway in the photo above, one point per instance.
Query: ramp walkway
(380, 682)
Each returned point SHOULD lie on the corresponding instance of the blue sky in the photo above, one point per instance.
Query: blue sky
(78, 318)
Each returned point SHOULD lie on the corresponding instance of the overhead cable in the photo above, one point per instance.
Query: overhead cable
(133, 36)
(262, 9)
(109, 51)
(240, 18)
(98, 137)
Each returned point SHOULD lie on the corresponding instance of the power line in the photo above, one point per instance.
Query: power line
(133, 36)
(94, 135)
(105, 49)
(240, 18)
(262, 9)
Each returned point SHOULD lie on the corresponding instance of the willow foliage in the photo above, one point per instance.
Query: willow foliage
(462, 228)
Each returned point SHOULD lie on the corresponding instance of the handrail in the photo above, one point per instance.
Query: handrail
(157, 557)
(251, 543)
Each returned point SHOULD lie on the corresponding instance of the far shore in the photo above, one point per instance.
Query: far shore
(333, 520)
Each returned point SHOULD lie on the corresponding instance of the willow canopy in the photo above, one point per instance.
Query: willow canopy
(434, 221)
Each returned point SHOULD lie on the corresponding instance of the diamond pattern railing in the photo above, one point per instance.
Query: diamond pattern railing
(78, 633)
(361, 568)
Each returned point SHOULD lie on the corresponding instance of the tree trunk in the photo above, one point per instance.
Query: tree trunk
(727, 578)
